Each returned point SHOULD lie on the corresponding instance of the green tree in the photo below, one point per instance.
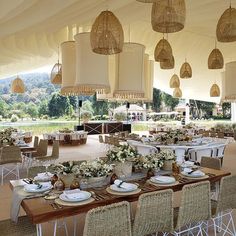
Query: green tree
(226, 108)
(156, 99)
(99, 107)
(3, 108)
(43, 108)
(32, 110)
(205, 107)
(170, 101)
(87, 106)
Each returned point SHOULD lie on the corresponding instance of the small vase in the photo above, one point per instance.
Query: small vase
(59, 185)
(167, 165)
(123, 169)
(75, 184)
(67, 179)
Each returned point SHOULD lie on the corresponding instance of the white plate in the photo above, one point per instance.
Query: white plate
(196, 174)
(86, 195)
(163, 179)
(33, 188)
(114, 187)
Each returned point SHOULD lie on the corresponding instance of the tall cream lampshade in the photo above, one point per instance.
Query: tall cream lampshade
(226, 26)
(185, 71)
(68, 54)
(107, 36)
(130, 77)
(163, 51)
(177, 93)
(92, 70)
(168, 16)
(214, 91)
(174, 81)
(17, 86)
(215, 59)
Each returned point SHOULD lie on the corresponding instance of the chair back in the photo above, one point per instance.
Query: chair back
(34, 170)
(112, 219)
(180, 153)
(145, 149)
(36, 141)
(211, 162)
(55, 149)
(227, 194)
(196, 154)
(100, 137)
(10, 154)
(154, 213)
(42, 148)
(195, 204)
(220, 150)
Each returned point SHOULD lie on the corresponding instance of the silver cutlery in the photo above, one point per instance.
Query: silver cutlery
(94, 195)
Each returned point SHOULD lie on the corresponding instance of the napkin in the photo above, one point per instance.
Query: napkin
(123, 185)
(198, 173)
(74, 194)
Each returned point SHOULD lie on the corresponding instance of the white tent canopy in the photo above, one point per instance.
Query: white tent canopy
(31, 31)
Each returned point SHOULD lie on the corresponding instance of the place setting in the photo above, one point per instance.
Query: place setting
(162, 181)
(193, 173)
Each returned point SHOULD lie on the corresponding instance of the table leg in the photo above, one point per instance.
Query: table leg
(39, 230)
(75, 224)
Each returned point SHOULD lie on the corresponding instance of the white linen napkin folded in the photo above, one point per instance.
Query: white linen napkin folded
(74, 194)
(44, 175)
(123, 185)
(194, 173)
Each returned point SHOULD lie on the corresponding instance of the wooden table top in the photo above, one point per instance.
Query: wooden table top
(39, 210)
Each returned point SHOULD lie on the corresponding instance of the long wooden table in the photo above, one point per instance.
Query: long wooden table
(39, 210)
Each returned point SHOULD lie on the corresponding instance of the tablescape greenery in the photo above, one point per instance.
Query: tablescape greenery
(6, 136)
(168, 157)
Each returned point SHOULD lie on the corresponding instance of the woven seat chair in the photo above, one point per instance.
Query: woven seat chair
(100, 138)
(23, 227)
(10, 158)
(222, 209)
(109, 220)
(197, 153)
(154, 213)
(41, 149)
(36, 142)
(195, 208)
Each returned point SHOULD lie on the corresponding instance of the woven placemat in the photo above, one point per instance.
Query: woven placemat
(198, 178)
(63, 203)
(162, 185)
(122, 193)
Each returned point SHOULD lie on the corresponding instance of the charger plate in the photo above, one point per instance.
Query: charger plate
(162, 185)
(195, 178)
(63, 203)
(122, 193)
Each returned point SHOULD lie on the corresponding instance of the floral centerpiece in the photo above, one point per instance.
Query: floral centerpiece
(168, 157)
(122, 156)
(6, 136)
(174, 136)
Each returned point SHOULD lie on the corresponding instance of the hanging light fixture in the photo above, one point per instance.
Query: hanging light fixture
(147, 1)
(168, 64)
(92, 70)
(69, 68)
(174, 81)
(163, 51)
(129, 83)
(177, 93)
(185, 71)
(55, 76)
(226, 26)
(168, 16)
(107, 36)
(214, 91)
(17, 86)
(215, 59)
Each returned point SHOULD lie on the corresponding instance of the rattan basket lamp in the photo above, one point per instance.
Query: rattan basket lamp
(215, 90)
(56, 72)
(168, 64)
(17, 86)
(107, 36)
(177, 93)
(147, 1)
(168, 16)
(163, 51)
(226, 26)
(215, 59)
(185, 71)
(174, 81)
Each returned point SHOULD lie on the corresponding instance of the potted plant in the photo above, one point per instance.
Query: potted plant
(168, 157)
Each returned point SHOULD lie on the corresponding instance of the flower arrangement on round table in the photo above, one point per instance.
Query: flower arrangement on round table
(168, 157)
(6, 136)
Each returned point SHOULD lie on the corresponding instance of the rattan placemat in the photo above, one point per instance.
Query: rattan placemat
(198, 178)
(122, 193)
(63, 203)
(162, 185)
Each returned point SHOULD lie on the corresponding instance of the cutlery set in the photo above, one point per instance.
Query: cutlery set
(56, 206)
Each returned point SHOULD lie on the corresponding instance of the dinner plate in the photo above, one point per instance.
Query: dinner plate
(34, 188)
(133, 187)
(82, 196)
(163, 179)
(195, 174)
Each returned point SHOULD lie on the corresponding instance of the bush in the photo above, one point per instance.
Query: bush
(14, 118)
(45, 117)
(86, 115)
(120, 116)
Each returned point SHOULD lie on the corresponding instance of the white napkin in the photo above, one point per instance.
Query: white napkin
(189, 163)
(74, 194)
(164, 179)
(123, 185)
(198, 173)
(44, 175)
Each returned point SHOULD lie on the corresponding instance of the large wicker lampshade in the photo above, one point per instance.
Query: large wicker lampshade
(177, 93)
(185, 71)
(168, 64)
(17, 86)
(56, 77)
(92, 70)
(174, 81)
(147, 1)
(226, 27)
(214, 91)
(68, 67)
(168, 16)
(163, 51)
(107, 36)
(215, 59)
(130, 77)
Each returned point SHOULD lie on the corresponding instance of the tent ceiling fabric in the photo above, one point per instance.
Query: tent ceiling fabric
(32, 30)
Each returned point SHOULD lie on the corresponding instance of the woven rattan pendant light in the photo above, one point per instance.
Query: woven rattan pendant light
(185, 71)
(107, 36)
(215, 91)
(177, 93)
(174, 81)
(163, 51)
(147, 1)
(168, 64)
(56, 77)
(226, 26)
(168, 16)
(17, 86)
(215, 59)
